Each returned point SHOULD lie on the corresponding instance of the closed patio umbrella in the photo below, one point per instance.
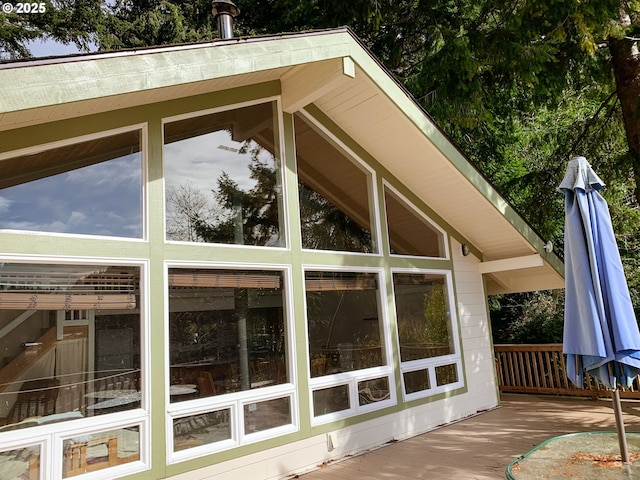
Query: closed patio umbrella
(601, 334)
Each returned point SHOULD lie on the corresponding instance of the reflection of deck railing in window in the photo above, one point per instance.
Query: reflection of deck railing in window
(417, 352)
(326, 361)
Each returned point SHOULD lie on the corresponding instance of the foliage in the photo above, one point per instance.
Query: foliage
(520, 86)
(66, 21)
(534, 317)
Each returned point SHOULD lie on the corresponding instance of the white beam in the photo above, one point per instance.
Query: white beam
(516, 263)
(305, 83)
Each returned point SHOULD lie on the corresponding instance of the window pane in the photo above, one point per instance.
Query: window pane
(20, 463)
(92, 188)
(343, 321)
(424, 321)
(446, 374)
(329, 400)
(201, 429)
(223, 179)
(227, 331)
(410, 234)
(334, 195)
(261, 416)
(372, 391)
(416, 381)
(53, 369)
(88, 453)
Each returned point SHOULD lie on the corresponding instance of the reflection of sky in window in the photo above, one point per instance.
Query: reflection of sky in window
(199, 161)
(101, 199)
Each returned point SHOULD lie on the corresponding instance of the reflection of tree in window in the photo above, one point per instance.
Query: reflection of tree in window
(325, 227)
(234, 215)
(423, 316)
(334, 194)
(248, 217)
(222, 178)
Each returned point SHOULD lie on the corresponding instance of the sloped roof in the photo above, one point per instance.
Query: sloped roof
(335, 76)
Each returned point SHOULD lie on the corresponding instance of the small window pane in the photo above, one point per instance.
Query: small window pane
(53, 369)
(92, 188)
(20, 463)
(372, 391)
(261, 416)
(97, 451)
(446, 374)
(416, 381)
(226, 330)
(410, 234)
(223, 178)
(423, 317)
(334, 195)
(343, 321)
(201, 429)
(330, 400)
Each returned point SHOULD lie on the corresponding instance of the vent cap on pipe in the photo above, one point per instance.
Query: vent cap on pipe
(225, 11)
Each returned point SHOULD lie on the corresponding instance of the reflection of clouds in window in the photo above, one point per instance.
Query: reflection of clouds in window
(222, 178)
(5, 205)
(101, 199)
(199, 161)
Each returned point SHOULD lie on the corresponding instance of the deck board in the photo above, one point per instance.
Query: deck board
(481, 447)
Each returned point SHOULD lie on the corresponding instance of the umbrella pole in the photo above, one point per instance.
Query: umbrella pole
(622, 438)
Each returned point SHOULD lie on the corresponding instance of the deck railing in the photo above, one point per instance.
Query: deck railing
(541, 369)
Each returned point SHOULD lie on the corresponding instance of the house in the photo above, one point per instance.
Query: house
(238, 259)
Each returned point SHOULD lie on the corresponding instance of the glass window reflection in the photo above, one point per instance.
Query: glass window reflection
(70, 342)
(90, 188)
(423, 317)
(345, 326)
(226, 331)
(223, 179)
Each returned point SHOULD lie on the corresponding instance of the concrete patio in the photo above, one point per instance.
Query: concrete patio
(481, 447)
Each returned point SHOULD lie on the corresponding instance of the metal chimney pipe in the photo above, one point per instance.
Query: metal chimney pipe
(225, 11)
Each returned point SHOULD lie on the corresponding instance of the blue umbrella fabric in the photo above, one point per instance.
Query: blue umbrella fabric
(600, 330)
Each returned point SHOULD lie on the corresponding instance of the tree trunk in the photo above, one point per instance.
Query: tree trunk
(626, 67)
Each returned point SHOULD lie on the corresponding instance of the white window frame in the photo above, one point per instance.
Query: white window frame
(351, 379)
(431, 363)
(278, 116)
(144, 135)
(234, 401)
(50, 437)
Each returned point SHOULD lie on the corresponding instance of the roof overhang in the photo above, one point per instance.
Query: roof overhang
(330, 73)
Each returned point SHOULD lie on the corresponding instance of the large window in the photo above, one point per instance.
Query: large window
(335, 211)
(71, 342)
(347, 343)
(344, 323)
(228, 352)
(92, 187)
(226, 331)
(425, 331)
(223, 179)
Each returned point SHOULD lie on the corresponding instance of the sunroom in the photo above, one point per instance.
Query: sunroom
(244, 258)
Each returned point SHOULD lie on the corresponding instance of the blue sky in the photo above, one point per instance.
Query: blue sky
(48, 48)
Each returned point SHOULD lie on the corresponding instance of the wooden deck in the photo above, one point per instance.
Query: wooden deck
(481, 447)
